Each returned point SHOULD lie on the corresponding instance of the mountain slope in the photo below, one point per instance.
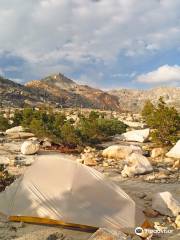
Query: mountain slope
(13, 94)
(58, 90)
(16, 95)
(133, 100)
(70, 94)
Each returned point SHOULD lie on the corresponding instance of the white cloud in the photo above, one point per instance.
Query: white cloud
(163, 74)
(48, 32)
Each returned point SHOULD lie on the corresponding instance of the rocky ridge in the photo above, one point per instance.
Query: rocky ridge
(14, 94)
(57, 91)
(60, 91)
(133, 99)
(69, 94)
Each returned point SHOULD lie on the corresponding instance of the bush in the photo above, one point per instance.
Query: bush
(69, 135)
(4, 124)
(164, 120)
(38, 128)
(110, 127)
(44, 124)
(17, 119)
(96, 127)
(90, 130)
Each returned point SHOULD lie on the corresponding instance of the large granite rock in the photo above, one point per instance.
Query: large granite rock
(175, 151)
(29, 147)
(17, 129)
(166, 204)
(136, 164)
(20, 135)
(120, 152)
(136, 135)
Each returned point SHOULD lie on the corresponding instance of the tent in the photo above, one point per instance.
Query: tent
(56, 190)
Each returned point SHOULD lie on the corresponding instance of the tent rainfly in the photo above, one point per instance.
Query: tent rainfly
(56, 190)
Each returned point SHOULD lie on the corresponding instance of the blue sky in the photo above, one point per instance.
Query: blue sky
(107, 43)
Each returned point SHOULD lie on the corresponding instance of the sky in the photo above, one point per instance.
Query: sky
(108, 44)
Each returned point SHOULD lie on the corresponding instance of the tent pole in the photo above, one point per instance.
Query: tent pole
(46, 221)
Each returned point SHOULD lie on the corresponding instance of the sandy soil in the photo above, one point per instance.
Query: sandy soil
(37, 232)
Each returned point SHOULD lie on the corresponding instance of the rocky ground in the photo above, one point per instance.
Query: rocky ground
(139, 168)
(141, 192)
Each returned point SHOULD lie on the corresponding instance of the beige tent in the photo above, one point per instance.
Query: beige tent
(61, 191)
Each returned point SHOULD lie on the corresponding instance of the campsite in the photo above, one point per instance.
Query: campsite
(89, 119)
(114, 185)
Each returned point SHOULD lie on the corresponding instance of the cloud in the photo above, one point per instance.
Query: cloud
(51, 33)
(164, 74)
(91, 76)
(67, 29)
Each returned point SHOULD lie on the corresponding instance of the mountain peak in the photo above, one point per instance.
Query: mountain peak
(58, 90)
(73, 94)
(59, 80)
